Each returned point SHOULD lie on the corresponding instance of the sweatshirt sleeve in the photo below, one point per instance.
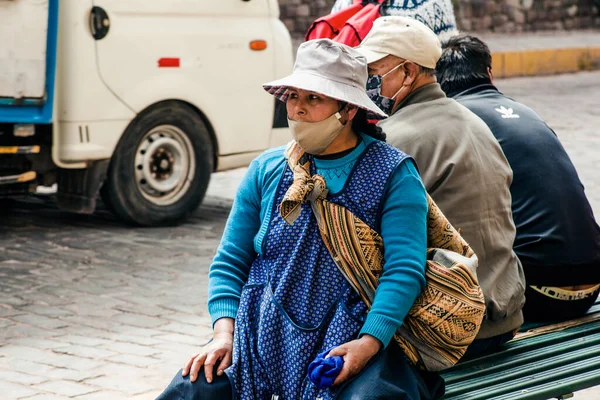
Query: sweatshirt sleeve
(404, 233)
(231, 264)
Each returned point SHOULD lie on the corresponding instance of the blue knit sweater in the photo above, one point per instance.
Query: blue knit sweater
(403, 229)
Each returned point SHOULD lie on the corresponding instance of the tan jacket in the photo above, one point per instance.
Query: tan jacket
(467, 175)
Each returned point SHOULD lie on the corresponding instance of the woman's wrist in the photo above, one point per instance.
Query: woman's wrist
(371, 343)
(224, 326)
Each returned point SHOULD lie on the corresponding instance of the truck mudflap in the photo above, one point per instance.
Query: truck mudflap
(78, 189)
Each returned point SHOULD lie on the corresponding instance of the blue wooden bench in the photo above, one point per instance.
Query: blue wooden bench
(542, 362)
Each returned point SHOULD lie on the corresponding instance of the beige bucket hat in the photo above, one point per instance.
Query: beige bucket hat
(331, 69)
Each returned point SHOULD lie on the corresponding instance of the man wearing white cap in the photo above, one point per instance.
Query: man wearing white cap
(460, 162)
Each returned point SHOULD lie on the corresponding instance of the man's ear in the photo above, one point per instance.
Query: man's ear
(412, 72)
(491, 75)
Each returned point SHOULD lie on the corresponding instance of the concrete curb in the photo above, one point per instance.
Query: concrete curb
(506, 64)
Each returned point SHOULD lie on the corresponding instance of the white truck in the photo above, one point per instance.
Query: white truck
(138, 101)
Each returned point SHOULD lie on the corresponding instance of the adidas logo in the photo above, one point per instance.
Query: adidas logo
(507, 112)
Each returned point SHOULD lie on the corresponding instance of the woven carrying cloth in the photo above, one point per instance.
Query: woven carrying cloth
(446, 316)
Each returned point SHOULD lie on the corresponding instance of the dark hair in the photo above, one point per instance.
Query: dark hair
(361, 124)
(464, 64)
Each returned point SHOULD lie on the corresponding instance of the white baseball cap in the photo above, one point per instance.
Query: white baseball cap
(402, 37)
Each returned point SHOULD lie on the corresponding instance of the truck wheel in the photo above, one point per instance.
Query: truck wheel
(161, 167)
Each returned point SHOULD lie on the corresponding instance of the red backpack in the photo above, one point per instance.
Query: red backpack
(349, 25)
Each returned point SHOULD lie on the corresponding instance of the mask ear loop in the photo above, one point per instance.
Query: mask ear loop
(389, 72)
(393, 69)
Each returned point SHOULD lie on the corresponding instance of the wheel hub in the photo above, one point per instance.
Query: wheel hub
(164, 165)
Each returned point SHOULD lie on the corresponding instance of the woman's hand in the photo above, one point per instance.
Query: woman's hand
(216, 353)
(356, 354)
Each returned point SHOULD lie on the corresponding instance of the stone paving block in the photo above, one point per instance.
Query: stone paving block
(184, 308)
(113, 369)
(6, 311)
(122, 384)
(46, 295)
(40, 321)
(143, 340)
(85, 351)
(46, 344)
(47, 311)
(167, 370)
(189, 319)
(16, 391)
(175, 357)
(132, 298)
(136, 361)
(180, 348)
(93, 333)
(25, 366)
(48, 357)
(71, 374)
(46, 371)
(190, 339)
(98, 323)
(196, 330)
(19, 377)
(66, 388)
(151, 311)
(129, 348)
(24, 352)
(136, 331)
(108, 395)
(153, 394)
(140, 321)
(48, 396)
(83, 340)
(20, 331)
(5, 323)
(14, 301)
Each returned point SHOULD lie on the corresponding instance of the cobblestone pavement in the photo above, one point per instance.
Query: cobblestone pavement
(92, 309)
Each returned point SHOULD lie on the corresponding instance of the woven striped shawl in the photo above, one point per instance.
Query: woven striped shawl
(448, 313)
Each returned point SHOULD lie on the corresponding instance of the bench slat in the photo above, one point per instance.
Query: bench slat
(554, 389)
(571, 360)
(547, 385)
(540, 367)
(557, 342)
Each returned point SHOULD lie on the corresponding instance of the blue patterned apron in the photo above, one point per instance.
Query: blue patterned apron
(296, 303)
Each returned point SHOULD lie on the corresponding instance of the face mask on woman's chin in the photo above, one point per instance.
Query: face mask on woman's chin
(315, 137)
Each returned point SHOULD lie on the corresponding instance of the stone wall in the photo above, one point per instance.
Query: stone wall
(504, 16)
(509, 16)
(297, 15)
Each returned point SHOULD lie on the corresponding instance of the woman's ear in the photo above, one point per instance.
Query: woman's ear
(350, 113)
(352, 110)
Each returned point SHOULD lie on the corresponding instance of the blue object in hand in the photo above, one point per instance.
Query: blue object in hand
(323, 371)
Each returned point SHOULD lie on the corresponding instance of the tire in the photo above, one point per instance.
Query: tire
(161, 167)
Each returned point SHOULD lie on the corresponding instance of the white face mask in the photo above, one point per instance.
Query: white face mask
(315, 137)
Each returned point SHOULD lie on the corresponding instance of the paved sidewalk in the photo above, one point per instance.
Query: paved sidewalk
(543, 53)
(499, 42)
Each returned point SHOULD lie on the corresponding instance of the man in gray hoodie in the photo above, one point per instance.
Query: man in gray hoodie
(460, 162)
